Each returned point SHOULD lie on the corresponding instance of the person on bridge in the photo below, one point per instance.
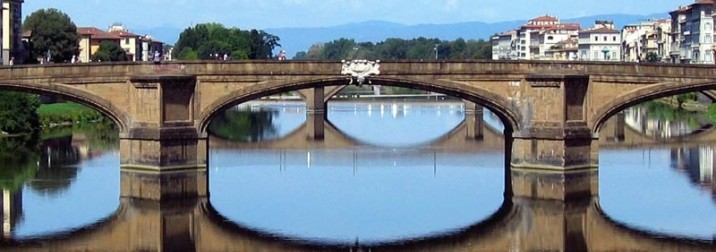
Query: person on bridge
(282, 55)
(157, 57)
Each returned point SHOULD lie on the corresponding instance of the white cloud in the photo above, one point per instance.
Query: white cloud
(451, 5)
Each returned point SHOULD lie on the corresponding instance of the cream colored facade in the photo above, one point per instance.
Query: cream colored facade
(652, 36)
(130, 42)
(11, 34)
(85, 49)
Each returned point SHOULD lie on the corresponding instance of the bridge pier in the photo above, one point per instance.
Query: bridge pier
(474, 119)
(163, 155)
(555, 156)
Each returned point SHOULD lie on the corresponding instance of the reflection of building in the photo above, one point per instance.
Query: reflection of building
(637, 118)
(11, 35)
(698, 163)
(11, 205)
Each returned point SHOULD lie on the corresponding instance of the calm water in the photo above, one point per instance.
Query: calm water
(398, 180)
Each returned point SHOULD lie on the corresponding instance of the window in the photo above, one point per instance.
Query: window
(605, 38)
(126, 40)
(707, 26)
(708, 38)
(550, 38)
(596, 38)
(596, 55)
(614, 38)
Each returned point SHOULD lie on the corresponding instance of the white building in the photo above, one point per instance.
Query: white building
(600, 43)
(534, 40)
(648, 37)
(503, 46)
(692, 30)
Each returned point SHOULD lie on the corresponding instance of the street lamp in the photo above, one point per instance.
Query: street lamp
(436, 51)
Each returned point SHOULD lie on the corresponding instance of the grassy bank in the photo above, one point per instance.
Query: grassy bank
(67, 113)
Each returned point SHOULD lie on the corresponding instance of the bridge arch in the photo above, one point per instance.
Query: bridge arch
(98, 103)
(501, 106)
(645, 94)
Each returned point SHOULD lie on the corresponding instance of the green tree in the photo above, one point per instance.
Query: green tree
(652, 57)
(109, 51)
(18, 112)
(51, 32)
(207, 41)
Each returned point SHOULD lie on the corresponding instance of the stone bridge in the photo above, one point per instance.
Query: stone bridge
(552, 111)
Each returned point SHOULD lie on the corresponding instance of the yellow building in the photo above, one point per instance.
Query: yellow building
(130, 42)
(90, 39)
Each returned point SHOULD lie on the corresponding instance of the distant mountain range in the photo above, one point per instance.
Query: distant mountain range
(300, 39)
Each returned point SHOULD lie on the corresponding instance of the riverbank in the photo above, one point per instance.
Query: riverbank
(65, 114)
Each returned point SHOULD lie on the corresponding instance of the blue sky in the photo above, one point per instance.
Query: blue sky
(264, 14)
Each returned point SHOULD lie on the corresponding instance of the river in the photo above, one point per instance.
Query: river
(392, 171)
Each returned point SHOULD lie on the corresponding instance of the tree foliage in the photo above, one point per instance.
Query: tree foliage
(51, 31)
(18, 112)
(206, 41)
(395, 48)
(652, 57)
(109, 51)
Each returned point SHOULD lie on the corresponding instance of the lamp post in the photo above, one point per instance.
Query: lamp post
(436, 51)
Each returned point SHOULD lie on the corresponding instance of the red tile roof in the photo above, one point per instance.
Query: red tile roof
(96, 33)
(124, 34)
(600, 30)
(545, 18)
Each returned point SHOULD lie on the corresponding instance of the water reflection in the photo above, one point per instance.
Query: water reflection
(259, 121)
(57, 173)
(310, 198)
(663, 121)
(663, 180)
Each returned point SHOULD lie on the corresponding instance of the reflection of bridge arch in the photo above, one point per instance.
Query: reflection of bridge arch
(499, 105)
(616, 134)
(521, 224)
(644, 94)
(462, 137)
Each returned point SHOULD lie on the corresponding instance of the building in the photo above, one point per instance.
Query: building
(503, 46)
(648, 37)
(563, 50)
(692, 33)
(11, 33)
(149, 46)
(90, 39)
(534, 40)
(130, 42)
(600, 43)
